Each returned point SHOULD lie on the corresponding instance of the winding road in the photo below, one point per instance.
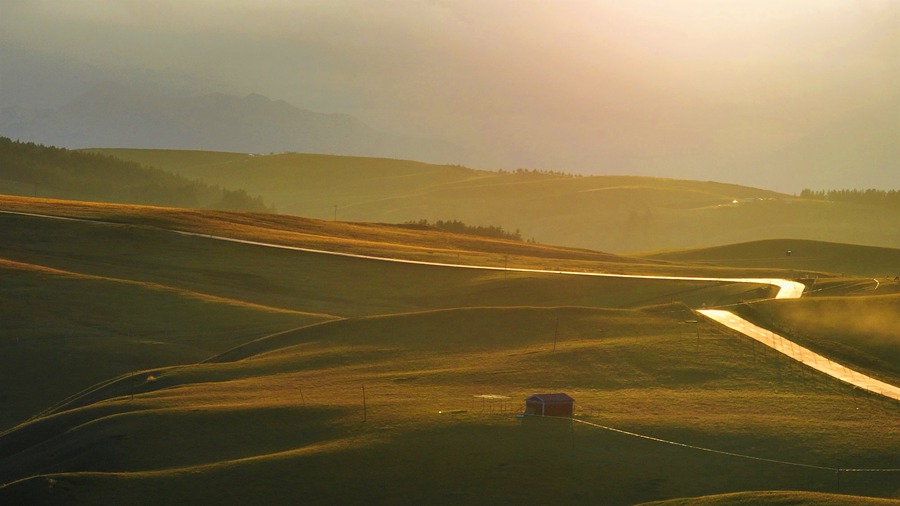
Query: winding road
(801, 354)
(787, 290)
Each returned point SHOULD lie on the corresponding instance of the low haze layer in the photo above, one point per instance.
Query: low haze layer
(779, 96)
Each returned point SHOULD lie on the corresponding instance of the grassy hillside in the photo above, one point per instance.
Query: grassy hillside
(776, 498)
(67, 331)
(804, 255)
(863, 331)
(410, 242)
(234, 373)
(36, 170)
(288, 424)
(607, 213)
(158, 298)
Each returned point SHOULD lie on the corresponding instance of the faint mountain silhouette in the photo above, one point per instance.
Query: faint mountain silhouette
(114, 115)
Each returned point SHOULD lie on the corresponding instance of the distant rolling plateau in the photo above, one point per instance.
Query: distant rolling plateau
(607, 213)
(794, 253)
(145, 359)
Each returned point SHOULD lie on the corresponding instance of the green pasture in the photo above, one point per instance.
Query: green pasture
(83, 302)
(777, 498)
(606, 213)
(63, 332)
(178, 369)
(289, 424)
(862, 332)
(320, 283)
(796, 254)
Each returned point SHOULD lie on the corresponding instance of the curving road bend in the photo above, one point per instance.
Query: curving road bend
(801, 354)
(787, 289)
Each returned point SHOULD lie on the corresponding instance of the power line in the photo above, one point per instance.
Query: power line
(732, 454)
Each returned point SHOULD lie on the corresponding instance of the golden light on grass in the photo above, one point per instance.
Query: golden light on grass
(240, 392)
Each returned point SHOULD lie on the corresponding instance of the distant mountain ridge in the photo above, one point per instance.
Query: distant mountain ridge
(114, 115)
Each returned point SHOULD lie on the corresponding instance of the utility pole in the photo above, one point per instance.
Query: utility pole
(555, 333)
(364, 401)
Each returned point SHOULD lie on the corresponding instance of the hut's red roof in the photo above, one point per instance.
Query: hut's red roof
(558, 398)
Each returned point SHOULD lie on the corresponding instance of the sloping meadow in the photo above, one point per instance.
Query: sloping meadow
(88, 300)
(174, 368)
(344, 406)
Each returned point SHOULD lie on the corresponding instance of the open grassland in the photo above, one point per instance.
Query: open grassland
(326, 180)
(862, 332)
(847, 259)
(393, 241)
(84, 301)
(607, 213)
(776, 498)
(35, 170)
(335, 285)
(64, 331)
(288, 424)
(251, 365)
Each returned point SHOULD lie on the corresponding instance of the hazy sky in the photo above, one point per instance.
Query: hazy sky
(604, 86)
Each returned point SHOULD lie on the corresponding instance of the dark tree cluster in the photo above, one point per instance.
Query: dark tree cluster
(539, 172)
(870, 197)
(459, 227)
(43, 171)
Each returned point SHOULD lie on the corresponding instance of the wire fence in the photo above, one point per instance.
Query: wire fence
(811, 360)
(732, 454)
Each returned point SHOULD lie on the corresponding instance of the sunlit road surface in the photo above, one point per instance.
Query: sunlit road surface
(786, 290)
(801, 354)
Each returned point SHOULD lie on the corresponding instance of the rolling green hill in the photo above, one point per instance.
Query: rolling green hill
(36, 170)
(289, 424)
(607, 213)
(862, 330)
(148, 283)
(67, 331)
(847, 259)
(410, 242)
(775, 498)
(177, 368)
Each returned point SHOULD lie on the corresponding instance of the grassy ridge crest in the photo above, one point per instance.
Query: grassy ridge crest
(809, 255)
(608, 213)
(284, 398)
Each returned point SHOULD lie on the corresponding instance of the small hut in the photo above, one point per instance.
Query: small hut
(550, 405)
